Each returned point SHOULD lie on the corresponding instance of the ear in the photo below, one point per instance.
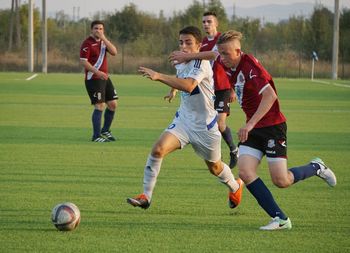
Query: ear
(238, 51)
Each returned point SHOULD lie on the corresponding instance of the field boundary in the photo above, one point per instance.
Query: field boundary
(331, 83)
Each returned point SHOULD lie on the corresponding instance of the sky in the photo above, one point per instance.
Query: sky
(89, 7)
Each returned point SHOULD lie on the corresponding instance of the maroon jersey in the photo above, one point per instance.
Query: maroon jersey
(95, 52)
(221, 82)
(249, 80)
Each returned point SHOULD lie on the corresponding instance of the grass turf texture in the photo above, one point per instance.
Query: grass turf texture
(46, 157)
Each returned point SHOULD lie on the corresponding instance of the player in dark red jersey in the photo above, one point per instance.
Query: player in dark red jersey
(224, 94)
(265, 130)
(93, 56)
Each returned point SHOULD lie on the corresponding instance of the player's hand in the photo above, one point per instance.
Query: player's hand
(101, 75)
(149, 73)
(170, 96)
(177, 57)
(243, 132)
(233, 96)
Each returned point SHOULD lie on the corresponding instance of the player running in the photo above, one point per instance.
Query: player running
(195, 122)
(265, 131)
(224, 94)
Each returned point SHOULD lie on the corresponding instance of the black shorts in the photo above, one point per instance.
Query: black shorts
(100, 91)
(222, 101)
(271, 141)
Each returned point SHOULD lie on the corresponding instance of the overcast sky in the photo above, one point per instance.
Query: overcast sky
(89, 7)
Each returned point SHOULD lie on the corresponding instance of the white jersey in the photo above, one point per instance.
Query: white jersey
(197, 108)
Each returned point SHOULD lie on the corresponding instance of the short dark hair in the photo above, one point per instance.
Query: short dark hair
(97, 22)
(209, 13)
(194, 31)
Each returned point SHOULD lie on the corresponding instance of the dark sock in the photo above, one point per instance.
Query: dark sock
(303, 172)
(109, 115)
(226, 135)
(265, 199)
(96, 123)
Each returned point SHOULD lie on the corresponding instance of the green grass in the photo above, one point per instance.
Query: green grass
(46, 158)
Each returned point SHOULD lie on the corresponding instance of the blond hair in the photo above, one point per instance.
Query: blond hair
(229, 36)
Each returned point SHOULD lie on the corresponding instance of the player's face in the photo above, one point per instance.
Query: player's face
(230, 54)
(97, 30)
(210, 24)
(188, 43)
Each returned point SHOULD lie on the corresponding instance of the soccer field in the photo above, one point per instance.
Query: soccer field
(46, 157)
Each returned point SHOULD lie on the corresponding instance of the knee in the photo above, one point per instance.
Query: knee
(215, 168)
(281, 182)
(221, 126)
(245, 175)
(157, 151)
(112, 105)
(100, 106)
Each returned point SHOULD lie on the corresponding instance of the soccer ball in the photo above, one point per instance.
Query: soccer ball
(65, 216)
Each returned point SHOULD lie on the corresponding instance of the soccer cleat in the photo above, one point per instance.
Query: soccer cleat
(277, 224)
(234, 198)
(233, 158)
(100, 139)
(108, 135)
(139, 201)
(325, 172)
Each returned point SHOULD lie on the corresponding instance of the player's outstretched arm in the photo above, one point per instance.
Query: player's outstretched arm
(177, 57)
(186, 85)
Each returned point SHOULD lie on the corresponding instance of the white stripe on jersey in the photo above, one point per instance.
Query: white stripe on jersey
(99, 61)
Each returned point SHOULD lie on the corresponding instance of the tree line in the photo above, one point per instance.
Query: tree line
(144, 38)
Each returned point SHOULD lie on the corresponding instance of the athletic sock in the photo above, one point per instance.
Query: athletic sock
(151, 172)
(303, 172)
(96, 123)
(109, 115)
(226, 177)
(227, 136)
(265, 199)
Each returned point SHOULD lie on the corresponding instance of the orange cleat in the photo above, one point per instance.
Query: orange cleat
(139, 201)
(234, 198)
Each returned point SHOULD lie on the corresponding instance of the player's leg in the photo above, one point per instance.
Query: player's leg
(207, 144)
(276, 154)
(111, 98)
(222, 106)
(95, 89)
(223, 172)
(170, 140)
(316, 167)
(248, 162)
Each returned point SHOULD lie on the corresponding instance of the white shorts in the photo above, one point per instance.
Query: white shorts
(206, 143)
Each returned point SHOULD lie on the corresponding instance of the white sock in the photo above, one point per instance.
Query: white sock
(226, 177)
(151, 172)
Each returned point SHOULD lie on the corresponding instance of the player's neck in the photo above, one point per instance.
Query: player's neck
(212, 35)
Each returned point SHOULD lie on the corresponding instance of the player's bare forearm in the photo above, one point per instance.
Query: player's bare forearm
(87, 65)
(177, 83)
(268, 98)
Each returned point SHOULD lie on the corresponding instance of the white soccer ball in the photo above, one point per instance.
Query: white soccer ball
(65, 216)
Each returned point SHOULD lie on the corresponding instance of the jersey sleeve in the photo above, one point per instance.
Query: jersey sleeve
(198, 70)
(84, 51)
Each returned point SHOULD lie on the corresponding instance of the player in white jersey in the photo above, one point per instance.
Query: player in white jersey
(194, 122)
